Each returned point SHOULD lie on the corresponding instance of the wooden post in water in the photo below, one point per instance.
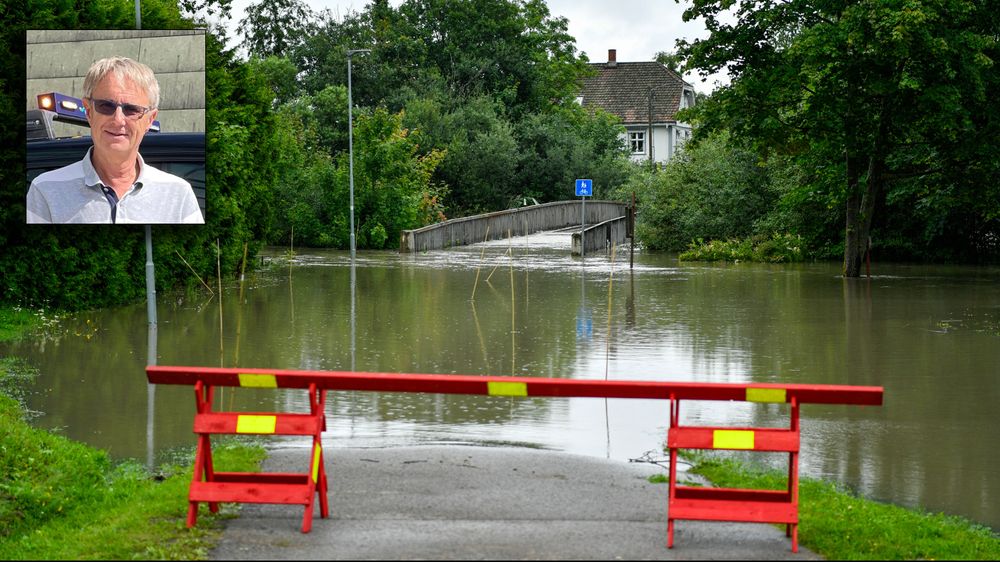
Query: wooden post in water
(630, 226)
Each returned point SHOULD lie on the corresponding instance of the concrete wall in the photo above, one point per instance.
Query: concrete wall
(513, 222)
(57, 61)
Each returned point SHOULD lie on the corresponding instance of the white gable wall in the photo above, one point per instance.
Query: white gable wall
(667, 138)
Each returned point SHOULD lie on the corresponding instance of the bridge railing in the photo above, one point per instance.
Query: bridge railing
(600, 237)
(510, 222)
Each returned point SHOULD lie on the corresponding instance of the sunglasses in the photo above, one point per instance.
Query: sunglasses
(108, 107)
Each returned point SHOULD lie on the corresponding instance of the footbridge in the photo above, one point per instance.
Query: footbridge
(607, 223)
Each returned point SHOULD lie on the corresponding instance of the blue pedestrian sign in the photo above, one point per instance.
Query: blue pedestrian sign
(584, 188)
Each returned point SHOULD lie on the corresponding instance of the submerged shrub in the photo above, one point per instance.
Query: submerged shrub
(778, 248)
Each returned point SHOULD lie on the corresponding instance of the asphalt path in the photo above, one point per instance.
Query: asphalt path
(461, 502)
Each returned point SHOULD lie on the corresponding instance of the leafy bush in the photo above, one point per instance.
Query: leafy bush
(711, 190)
(778, 248)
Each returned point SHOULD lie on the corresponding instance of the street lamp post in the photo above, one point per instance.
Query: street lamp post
(350, 150)
(350, 140)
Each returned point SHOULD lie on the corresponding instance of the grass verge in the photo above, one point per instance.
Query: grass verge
(839, 525)
(63, 500)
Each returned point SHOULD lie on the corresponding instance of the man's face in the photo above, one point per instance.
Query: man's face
(117, 134)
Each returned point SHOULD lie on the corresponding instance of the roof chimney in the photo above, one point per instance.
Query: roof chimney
(612, 58)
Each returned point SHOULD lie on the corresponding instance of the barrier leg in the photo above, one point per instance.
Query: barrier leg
(319, 409)
(316, 477)
(203, 399)
(210, 471)
(197, 473)
(324, 508)
(312, 478)
(202, 472)
(674, 416)
(793, 477)
(307, 519)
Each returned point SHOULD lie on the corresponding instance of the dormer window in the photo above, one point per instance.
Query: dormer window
(687, 98)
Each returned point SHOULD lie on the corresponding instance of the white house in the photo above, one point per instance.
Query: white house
(646, 96)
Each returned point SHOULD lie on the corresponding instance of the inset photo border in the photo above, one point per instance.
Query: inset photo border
(59, 133)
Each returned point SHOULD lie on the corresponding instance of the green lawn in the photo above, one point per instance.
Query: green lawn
(839, 525)
(63, 500)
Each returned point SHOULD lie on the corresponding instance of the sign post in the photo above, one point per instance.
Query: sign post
(584, 189)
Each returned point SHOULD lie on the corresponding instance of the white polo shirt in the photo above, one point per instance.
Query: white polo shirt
(76, 194)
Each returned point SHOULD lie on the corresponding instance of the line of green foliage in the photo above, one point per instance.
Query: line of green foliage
(63, 500)
(840, 525)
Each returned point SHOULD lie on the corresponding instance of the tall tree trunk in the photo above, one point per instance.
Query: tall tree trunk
(852, 235)
(852, 263)
(861, 202)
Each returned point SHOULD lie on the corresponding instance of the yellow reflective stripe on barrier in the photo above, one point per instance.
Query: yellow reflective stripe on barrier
(507, 389)
(255, 424)
(766, 395)
(316, 451)
(732, 439)
(258, 381)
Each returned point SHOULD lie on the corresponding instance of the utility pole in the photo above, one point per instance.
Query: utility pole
(652, 162)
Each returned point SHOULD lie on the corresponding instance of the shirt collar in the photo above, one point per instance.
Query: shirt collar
(91, 178)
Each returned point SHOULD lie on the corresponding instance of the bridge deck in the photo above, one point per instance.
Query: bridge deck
(517, 222)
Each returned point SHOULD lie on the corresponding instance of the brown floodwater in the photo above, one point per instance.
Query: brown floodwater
(929, 334)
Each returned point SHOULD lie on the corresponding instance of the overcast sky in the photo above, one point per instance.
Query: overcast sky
(636, 29)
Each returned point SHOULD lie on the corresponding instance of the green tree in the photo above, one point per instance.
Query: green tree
(392, 179)
(241, 144)
(304, 186)
(670, 59)
(393, 186)
(281, 75)
(274, 27)
(489, 83)
(513, 51)
(567, 143)
(868, 95)
(482, 158)
(711, 190)
(193, 8)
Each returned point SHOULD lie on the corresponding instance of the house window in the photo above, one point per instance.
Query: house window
(637, 140)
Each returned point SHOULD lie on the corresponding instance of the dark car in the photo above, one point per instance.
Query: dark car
(180, 154)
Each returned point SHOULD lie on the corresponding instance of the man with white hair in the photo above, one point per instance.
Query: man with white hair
(112, 184)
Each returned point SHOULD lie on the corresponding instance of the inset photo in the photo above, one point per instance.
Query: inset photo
(116, 127)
